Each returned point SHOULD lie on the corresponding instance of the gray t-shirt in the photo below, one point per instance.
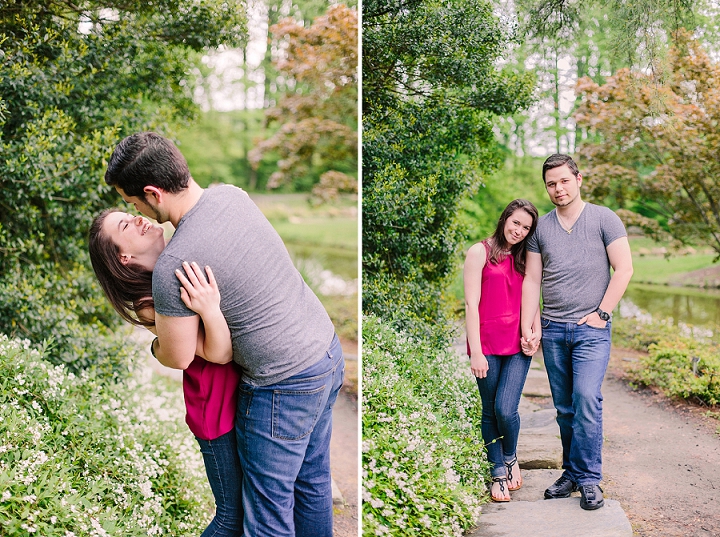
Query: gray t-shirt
(277, 324)
(576, 268)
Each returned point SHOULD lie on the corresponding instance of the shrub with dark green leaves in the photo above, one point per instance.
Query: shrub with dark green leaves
(69, 311)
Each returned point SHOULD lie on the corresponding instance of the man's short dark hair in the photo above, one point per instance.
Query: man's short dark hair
(557, 160)
(147, 159)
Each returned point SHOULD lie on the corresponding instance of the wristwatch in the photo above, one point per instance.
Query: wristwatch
(604, 315)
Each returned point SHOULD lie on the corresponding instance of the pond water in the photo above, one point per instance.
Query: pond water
(681, 305)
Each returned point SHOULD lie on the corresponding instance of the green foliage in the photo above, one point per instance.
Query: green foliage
(683, 368)
(423, 461)
(216, 148)
(74, 79)
(431, 89)
(69, 310)
(79, 457)
(631, 31)
(679, 361)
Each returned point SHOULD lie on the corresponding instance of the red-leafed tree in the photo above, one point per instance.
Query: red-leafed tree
(659, 141)
(317, 139)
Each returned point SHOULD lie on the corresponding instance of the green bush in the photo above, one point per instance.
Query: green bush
(682, 368)
(681, 360)
(424, 467)
(68, 309)
(82, 457)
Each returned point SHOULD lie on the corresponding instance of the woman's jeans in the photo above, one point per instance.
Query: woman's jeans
(576, 358)
(500, 392)
(283, 433)
(223, 472)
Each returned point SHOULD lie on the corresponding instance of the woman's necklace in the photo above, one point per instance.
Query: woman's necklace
(569, 227)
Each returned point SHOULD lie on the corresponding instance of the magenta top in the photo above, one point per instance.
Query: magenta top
(210, 397)
(499, 308)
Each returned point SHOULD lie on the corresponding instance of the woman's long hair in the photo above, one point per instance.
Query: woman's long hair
(127, 287)
(498, 245)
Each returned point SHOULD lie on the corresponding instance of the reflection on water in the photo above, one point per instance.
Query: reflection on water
(680, 306)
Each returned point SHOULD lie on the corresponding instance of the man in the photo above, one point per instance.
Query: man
(570, 256)
(282, 338)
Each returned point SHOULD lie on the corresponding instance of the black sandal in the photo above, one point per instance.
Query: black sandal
(509, 466)
(502, 481)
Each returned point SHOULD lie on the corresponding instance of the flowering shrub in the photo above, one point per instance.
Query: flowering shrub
(424, 465)
(83, 457)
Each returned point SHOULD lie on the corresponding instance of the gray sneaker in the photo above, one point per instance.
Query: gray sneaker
(561, 488)
(591, 497)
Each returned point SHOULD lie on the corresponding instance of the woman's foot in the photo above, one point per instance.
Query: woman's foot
(499, 490)
(514, 477)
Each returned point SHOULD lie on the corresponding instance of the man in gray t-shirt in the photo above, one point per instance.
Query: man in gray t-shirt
(569, 257)
(282, 338)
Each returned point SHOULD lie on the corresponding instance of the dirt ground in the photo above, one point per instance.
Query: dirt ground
(661, 458)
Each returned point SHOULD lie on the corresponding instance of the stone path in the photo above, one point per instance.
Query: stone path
(540, 457)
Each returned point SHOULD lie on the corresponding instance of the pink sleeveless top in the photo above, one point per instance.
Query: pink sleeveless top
(210, 397)
(499, 308)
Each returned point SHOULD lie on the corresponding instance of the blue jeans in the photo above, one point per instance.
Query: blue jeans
(283, 433)
(225, 476)
(576, 358)
(500, 392)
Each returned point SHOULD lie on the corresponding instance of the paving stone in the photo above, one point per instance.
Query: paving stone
(536, 384)
(539, 451)
(552, 518)
(537, 418)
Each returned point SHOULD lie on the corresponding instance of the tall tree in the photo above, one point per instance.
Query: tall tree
(317, 138)
(658, 144)
(431, 93)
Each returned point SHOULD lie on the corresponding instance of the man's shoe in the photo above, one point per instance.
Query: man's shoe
(591, 497)
(560, 489)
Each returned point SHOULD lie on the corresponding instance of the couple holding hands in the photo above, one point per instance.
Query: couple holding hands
(568, 254)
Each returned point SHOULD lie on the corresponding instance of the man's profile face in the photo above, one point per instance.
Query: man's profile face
(143, 206)
(562, 186)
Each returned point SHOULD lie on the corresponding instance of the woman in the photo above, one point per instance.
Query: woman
(123, 252)
(493, 277)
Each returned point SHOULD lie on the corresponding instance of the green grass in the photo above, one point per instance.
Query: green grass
(659, 270)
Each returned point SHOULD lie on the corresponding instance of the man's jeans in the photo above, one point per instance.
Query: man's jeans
(283, 433)
(576, 358)
(225, 476)
(500, 392)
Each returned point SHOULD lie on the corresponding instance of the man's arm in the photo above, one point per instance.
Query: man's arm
(530, 294)
(620, 258)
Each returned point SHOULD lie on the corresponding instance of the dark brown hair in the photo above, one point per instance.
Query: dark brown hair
(497, 244)
(147, 159)
(557, 160)
(127, 287)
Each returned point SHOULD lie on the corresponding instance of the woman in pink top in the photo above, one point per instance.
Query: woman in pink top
(123, 251)
(493, 277)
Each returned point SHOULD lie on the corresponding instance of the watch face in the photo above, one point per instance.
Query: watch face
(604, 315)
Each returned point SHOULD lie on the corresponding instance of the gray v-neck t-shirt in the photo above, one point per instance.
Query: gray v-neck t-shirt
(277, 324)
(576, 268)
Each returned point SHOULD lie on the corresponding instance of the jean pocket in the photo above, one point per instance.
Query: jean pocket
(295, 412)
